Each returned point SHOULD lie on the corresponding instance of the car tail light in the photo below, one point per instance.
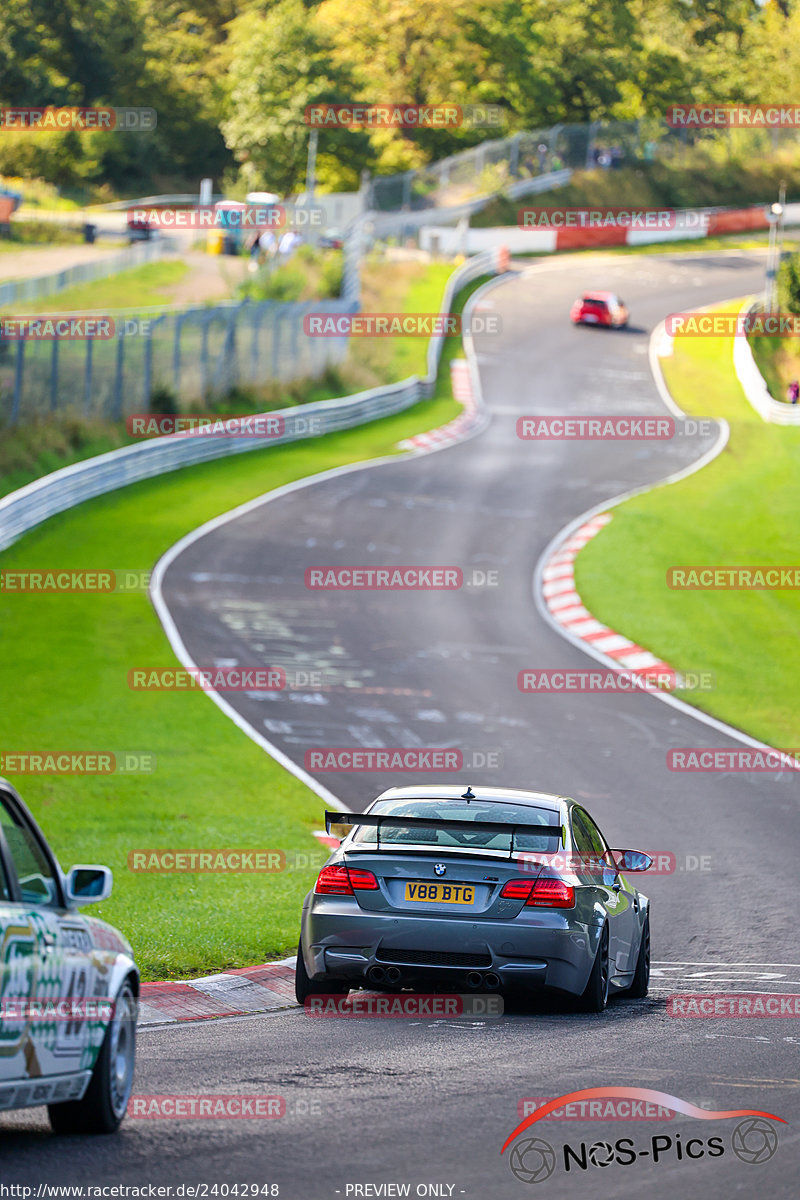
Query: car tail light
(517, 889)
(551, 893)
(339, 880)
(543, 893)
(362, 880)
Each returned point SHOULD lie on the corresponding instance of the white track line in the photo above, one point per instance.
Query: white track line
(182, 654)
(556, 542)
(157, 578)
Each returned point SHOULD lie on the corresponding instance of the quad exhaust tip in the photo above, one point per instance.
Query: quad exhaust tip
(491, 980)
(376, 975)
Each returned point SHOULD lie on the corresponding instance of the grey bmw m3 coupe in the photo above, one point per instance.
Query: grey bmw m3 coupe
(489, 890)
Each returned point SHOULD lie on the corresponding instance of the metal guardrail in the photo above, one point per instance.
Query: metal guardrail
(406, 224)
(22, 291)
(28, 507)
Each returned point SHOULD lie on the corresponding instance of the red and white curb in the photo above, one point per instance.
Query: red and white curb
(265, 988)
(568, 610)
(235, 993)
(466, 422)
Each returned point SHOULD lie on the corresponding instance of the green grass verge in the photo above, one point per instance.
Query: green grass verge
(742, 509)
(140, 287)
(212, 786)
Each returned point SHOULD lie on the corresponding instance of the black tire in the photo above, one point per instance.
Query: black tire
(595, 995)
(305, 987)
(106, 1100)
(641, 979)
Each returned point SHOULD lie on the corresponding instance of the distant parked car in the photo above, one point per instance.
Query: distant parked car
(140, 231)
(599, 308)
(332, 240)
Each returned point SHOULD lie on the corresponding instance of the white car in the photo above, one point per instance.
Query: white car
(68, 985)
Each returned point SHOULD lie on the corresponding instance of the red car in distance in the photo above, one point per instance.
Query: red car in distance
(599, 308)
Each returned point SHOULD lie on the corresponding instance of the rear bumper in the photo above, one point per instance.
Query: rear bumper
(546, 949)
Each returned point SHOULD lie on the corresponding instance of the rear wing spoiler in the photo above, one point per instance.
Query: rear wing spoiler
(378, 821)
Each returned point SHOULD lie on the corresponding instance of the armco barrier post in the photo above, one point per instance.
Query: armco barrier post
(148, 362)
(18, 377)
(176, 352)
(87, 378)
(116, 406)
(54, 376)
(276, 342)
(205, 320)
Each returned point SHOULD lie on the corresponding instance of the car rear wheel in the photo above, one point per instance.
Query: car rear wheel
(595, 996)
(102, 1108)
(304, 987)
(641, 978)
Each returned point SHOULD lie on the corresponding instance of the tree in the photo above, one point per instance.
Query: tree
(278, 67)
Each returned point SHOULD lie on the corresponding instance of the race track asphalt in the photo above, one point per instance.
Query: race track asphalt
(431, 1102)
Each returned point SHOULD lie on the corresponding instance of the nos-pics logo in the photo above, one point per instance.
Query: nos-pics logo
(754, 1139)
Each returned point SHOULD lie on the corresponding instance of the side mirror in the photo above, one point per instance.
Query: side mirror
(632, 860)
(89, 885)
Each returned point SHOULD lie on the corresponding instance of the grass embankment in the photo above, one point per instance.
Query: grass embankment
(65, 661)
(693, 181)
(739, 510)
(778, 360)
(145, 287)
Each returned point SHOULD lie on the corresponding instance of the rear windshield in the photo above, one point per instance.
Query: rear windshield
(594, 302)
(460, 810)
